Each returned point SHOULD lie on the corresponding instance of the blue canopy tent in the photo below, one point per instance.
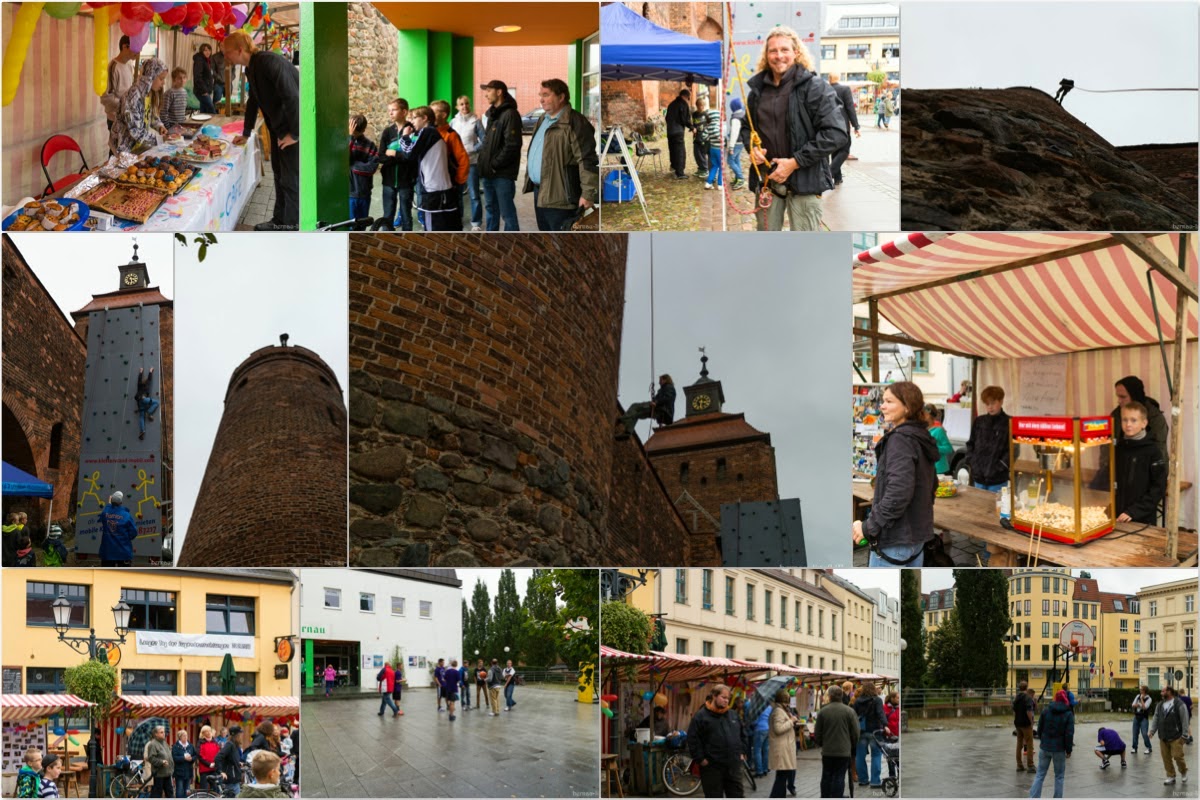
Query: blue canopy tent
(19, 483)
(633, 48)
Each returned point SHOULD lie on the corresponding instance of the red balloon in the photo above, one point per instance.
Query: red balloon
(194, 14)
(141, 12)
(173, 16)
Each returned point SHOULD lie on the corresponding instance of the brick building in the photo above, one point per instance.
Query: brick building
(274, 490)
(482, 407)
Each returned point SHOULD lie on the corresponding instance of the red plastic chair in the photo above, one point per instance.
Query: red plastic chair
(60, 143)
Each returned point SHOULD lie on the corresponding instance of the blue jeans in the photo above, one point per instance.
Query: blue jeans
(1143, 726)
(146, 408)
(1060, 768)
(360, 207)
(549, 219)
(476, 195)
(465, 691)
(735, 162)
(759, 751)
(498, 197)
(994, 488)
(508, 693)
(397, 208)
(218, 93)
(386, 701)
(714, 166)
(181, 786)
(899, 553)
(206, 104)
(874, 778)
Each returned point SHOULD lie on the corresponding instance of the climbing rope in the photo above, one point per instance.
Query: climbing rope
(765, 195)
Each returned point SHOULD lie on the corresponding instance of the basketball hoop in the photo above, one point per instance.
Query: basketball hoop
(1076, 639)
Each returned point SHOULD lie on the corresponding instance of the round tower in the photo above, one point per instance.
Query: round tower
(274, 491)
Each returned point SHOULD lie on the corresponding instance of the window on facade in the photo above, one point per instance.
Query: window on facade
(683, 472)
(828, 51)
(1124, 626)
(1056, 587)
(1027, 607)
(1154, 608)
(863, 358)
(820, 623)
(1057, 629)
(729, 596)
(729, 651)
(1123, 645)
(1189, 603)
(1189, 639)
(1046, 607)
(720, 469)
(1153, 641)
(770, 658)
(750, 601)
(810, 620)
(796, 617)
(833, 625)
(681, 586)
(1118, 606)
(920, 361)
(810, 662)
(1137, 645)
(1045, 584)
(1124, 665)
(426, 609)
(1075, 610)
(1026, 652)
(1028, 626)
(1045, 652)
(398, 606)
(1045, 629)
(229, 614)
(49, 680)
(891, 49)
(366, 602)
(150, 610)
(1028, 583)
(858, 51)
(247, 683)
(40, 596)
(681, 646)
(856, 22)
(783, 601)
(706, 649)
(55, 445)
(706, 588)
(768, 603)
(333, 598)
(1016, 586)
(1137, 626)
(150, 681)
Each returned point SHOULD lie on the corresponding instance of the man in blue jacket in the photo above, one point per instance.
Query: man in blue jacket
(119, 531)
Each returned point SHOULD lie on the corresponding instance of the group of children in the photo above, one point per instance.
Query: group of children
(38, 777)
(425, 159)
(18, 547)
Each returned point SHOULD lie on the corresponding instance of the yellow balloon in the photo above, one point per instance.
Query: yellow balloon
(18, 44)
(100, 50)
(660, 700)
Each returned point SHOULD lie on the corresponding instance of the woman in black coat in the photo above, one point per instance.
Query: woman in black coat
(901, 519)
(203, 78)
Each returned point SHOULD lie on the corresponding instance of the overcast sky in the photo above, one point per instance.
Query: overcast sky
(72, 280)
(1100, 45)
(491, 578)
(1126, 581)
(250, 289)
(769, 309)
(886, 579)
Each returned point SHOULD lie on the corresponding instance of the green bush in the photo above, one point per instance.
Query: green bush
(95, 682)
(624, 627)
(1122, 699)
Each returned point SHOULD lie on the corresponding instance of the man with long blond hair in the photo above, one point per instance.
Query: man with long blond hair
(275, 91)
(801, 125)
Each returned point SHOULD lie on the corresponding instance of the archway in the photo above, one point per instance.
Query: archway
(16, 449)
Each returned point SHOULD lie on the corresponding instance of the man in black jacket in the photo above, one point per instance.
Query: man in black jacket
(661, 408)
(274, 90)
(500, 157)
(679, 120)
(229, 759)
(988, 446)
(846, 98)
(714, 739)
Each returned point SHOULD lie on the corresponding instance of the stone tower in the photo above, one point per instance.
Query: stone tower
(711, 457)
(127, 331)
(274, 491)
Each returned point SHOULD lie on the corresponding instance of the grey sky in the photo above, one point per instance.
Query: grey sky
(74, 267)
(1100, 45)
(491, 578)
(1127, 581)
(770, 309)
(250, 289)
(886, 579)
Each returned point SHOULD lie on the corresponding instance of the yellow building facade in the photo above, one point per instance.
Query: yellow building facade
(1117, 638)
(857, 647)
(181, 624)
(1039, 604)
(936, 607)
(857, 39)
(1168, 617)
(764, 615)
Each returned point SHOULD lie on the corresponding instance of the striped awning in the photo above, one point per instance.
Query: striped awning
(265, 706)
(24, 707)
(613, 654)
(679, 667)
(171, 705)
(1000, 295)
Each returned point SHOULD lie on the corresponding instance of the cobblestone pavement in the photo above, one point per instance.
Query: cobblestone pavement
(672, 204)
(262, 202)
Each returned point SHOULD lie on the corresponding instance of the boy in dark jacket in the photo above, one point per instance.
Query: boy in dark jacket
(364, 158)
(1141, 471)
(399, 178)
(988, 446)
(714, 739)
(500, 157)
(229, 760)
(1056, 730)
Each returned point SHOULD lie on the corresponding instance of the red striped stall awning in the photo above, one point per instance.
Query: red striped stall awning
(613, 654)
(282, 706)
(24, 707)
(1074, 292)
(139, 706)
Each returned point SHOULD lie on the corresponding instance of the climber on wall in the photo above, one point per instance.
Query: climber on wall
(1064, 86)
(119, 531)
(146, 405)
(661, 408)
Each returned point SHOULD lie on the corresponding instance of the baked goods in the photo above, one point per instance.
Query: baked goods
(171, 174)
(45, 215)
(135, 203)
(205, 148)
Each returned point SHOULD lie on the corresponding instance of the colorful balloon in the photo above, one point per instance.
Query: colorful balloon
(131, 27)
(607, 712)
(239, 16)
(159, 8)
(173, 16)
(138, 40)
(195, 14)
(62, 10)
(23, 27)
(142, 12)
(100, 50)
(660, 700)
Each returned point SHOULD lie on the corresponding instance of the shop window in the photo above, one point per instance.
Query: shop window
(151, 610)
(152, 682)
(40, 596)
(230, 614)
(247, 683)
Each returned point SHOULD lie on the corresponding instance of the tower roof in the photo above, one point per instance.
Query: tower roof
(702, 431)
(284, 351)
(124, 299)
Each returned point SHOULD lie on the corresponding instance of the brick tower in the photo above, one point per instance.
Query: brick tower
(274, 491)
(127, 331)
(712, 457)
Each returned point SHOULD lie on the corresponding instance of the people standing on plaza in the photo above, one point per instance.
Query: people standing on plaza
(783, 744)
(206, 758)
(562, 168)
(386, 679)
(1171, 723)
(714, 740)
(274, 89)
(901, 519)
(759, 750)
(1108, 744)
(891, 709)
(398, 684)
(679, 120)
(987, 447)
(710, 118)
(510, 685)
(737, 142)
(229, 760)
(1056, 731)
(868, 707)
(796, 144)
(481, 674)
(364, 160)
(845, 98)
(437, 196)
(495, 681)
(458, 159)
(157, 754)
(183, 754)
(121, 71)
(330, 679)
(1142, 707)
(29, 776)
(398, 178)
(464, 683)
(449, 687)
(118, 530)
(438, 672)
(1023, 724)
(265, 769)
(500, 157)
(836, 733)
(470, 129)
(700, 136)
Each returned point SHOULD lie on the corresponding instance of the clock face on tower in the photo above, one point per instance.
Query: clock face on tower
(701, 401)
(131, 279)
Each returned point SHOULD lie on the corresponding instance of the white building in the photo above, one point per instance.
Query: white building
(886, 638)
(358, 618)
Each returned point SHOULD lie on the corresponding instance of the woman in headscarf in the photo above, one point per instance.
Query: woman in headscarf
(138, 127)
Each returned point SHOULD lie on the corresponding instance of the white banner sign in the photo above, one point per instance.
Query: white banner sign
(165, 643)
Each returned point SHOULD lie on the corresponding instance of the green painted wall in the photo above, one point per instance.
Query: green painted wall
(324, 170)
(575, 73)
(464, 69)
(441, 56)
(435, 66)
(413, 66)
(308, 654)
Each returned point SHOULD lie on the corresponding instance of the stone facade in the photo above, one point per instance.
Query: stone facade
(643, 509)
(274, 490)
(374, 60)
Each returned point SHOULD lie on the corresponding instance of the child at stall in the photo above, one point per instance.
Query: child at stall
(264, 766)
(364, 159)
(25, 554)
(51, 769)
(29, 779)
(1141, 471)
(174, 107)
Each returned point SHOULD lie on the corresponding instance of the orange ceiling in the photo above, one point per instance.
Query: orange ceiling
(541, 23)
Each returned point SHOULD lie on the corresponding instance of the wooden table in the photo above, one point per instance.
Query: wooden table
(973, 513)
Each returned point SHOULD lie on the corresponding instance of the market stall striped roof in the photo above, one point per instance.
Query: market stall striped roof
(679, 666)
(265, 706)
(1000, 295)
(171, 705)
(21, 707)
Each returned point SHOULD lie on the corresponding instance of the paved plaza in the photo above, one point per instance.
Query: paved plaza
(982, 763)
(547, 747)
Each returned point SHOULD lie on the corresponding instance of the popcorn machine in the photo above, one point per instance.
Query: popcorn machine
(1061, 487)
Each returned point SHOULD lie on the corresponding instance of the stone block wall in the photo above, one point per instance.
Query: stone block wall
(373, 64)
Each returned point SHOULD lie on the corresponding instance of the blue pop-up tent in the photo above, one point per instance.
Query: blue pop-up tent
(633, 48)
(19, 483)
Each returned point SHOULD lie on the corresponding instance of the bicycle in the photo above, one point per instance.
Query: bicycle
(677, 773)
(128, 782)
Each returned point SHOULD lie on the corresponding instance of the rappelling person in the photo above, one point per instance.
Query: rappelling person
(661, 409)
(1064, 86)
(146, 405)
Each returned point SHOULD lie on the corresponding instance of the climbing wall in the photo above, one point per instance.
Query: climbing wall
(112, 457)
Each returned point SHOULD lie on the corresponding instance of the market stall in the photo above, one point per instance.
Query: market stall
(1055, 319)
(129, 712)
(41, 721)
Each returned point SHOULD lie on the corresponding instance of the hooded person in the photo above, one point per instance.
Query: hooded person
(1056, 731)
(137, 126)
(118, 530)
(1132, 389)
(738, 142)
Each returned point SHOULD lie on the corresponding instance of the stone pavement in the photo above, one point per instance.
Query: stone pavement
(262, 203)
(982, 763)
(808, 779)
(672, 204)
(548, 747)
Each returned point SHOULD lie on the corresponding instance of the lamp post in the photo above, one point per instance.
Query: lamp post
(1110, 674)
(90, 645)
(1188, 652)
(1012, 639)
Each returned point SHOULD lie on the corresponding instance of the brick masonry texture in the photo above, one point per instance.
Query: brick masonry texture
(274, 491)
(642, 508)
(482, 399)
(749, 476)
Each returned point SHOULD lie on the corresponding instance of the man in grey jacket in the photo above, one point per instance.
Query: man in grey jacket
(836, 733)
(162, 763)
(495, 680)
(1171, 725)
